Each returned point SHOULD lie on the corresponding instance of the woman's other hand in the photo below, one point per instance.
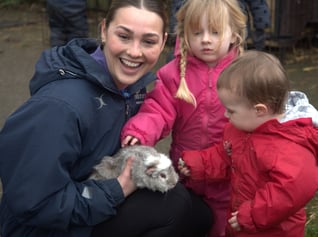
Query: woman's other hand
(126, 183)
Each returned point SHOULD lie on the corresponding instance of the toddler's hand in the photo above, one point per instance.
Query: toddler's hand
(183, 168)
(233, 221)
(129, 141)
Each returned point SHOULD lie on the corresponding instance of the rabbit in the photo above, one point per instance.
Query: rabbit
(150, 169)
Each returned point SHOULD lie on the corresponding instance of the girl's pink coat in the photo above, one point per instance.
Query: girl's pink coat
(192, 128)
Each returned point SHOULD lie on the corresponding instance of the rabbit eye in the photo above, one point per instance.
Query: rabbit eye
(163, 176)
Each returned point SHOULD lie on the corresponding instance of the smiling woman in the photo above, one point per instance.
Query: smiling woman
(132, 50)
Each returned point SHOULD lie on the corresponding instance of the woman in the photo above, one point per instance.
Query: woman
(81, 96)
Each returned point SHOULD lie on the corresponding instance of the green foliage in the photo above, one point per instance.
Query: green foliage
(312, 218)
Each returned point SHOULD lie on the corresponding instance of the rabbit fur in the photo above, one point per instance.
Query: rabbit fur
(150, 169)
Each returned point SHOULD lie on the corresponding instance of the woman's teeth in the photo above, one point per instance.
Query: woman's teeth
(130, 64)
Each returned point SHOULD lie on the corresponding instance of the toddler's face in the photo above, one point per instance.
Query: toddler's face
(239, 112)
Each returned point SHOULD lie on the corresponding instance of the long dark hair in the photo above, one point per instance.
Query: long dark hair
(156, 6)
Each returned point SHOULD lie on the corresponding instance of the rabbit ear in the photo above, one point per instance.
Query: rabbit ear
(151, 164)
(151, 170)
(152, 161)
(157, 163)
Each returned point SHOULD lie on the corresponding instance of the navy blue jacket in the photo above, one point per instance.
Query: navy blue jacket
(49, 145)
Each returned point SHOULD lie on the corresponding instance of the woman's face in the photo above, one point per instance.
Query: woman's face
(133, 43)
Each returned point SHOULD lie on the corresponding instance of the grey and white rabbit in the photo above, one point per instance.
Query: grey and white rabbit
(150, 169)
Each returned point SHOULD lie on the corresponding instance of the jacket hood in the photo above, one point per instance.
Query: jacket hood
(302, 116)
(306, 135)
(74, 61)
(298, 106)
(300, 131)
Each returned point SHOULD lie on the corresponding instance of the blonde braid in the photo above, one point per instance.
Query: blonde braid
(183, 91)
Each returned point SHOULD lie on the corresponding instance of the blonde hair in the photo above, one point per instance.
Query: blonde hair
(221, 14)
(258, 77)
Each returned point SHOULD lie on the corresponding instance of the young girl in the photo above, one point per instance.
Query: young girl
(184, 100)
(272, 164)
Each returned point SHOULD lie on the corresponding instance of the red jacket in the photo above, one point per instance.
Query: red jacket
(273, 173)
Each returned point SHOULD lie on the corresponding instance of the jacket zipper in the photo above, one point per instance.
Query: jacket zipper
(126, 110)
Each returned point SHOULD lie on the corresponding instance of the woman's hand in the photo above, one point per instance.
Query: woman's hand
(129, 141)
(124, 179)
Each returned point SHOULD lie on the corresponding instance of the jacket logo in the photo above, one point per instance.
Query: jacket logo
(101, 101)
(140, 97)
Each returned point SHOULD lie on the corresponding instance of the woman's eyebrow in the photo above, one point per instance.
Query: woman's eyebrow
(132, 32)
(124, 28)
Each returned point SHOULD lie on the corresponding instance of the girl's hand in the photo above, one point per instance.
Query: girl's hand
(125, 181)
(129, 141)
(233, 221)
(183, 168)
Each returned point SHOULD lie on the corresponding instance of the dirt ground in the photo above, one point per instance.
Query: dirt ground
(24, 35)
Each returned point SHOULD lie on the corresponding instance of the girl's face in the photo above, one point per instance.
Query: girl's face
(133, 43)
(208, 46)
